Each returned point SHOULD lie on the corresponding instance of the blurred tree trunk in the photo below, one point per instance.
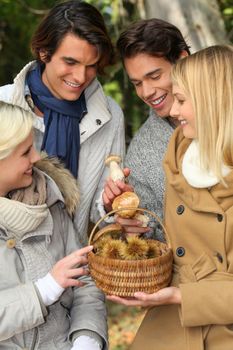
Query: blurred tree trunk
(200, 21)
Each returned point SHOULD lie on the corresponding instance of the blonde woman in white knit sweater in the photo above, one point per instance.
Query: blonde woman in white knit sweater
(47, 300)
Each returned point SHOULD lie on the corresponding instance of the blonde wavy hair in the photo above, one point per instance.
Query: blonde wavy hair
(207, 78)
(15, 126)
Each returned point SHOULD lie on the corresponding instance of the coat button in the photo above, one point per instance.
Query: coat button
(219, 217)
(98, 121)
(11, 243)
(180, 209)
(219, 257)
(180, 251)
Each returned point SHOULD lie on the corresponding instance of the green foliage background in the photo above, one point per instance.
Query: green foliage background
(18, 19)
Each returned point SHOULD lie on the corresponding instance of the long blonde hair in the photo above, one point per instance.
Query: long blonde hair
(15, 126)
(207, 77)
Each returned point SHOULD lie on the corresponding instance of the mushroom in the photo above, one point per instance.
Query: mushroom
(116, 172)
(126, 200)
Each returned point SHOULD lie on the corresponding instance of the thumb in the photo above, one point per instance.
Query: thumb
(141, 296)
(126, 172)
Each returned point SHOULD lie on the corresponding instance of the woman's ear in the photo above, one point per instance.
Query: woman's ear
(183, 54)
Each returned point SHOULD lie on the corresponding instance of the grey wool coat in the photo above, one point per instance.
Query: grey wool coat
(26, 323)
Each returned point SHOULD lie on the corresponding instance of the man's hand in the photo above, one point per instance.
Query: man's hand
(113, 189)
(132, 226)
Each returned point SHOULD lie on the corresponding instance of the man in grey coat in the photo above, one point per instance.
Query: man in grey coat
(73, 118)
(148, 49)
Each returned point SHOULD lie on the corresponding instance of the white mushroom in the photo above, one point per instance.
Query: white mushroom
(115, 171)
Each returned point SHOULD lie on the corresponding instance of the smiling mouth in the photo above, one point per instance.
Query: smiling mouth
(157, 101)
(28, 172)
(71, 84)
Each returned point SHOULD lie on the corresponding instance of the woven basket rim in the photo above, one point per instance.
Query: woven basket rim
(166, 252)
(93, 231)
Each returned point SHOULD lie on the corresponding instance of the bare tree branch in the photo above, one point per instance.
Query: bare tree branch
(32, 10)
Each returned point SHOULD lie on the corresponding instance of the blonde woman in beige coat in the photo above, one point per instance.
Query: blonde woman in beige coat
(47, 299)
(196, 311)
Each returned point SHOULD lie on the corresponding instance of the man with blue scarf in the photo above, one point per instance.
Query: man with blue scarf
(73, 118)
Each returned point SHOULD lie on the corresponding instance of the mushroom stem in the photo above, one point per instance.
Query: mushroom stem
(115, 171)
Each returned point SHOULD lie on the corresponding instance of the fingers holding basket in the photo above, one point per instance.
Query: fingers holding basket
(132, 226)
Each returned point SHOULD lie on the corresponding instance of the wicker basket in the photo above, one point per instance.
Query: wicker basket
(125, 277)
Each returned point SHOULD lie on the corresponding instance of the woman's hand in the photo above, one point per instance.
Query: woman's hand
(165, 296)
(67, 270)
(113, 189)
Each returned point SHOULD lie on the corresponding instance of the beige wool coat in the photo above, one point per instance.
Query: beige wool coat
(200, 228)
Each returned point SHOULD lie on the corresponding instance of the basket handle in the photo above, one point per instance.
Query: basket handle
(92, 234)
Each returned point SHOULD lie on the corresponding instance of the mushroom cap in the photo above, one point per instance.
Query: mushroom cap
(126, 200)
(106, 230)
(112, 158)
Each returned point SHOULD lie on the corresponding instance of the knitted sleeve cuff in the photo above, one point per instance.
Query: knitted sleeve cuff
(101, 209)
(88, 333)
(49, 289)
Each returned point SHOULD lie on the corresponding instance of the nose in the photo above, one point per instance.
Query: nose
(147, 90)
(79, 74)
(174, 112)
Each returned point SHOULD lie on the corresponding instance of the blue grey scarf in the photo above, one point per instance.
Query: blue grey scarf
(61, 119)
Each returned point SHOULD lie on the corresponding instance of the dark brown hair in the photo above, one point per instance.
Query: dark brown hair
(154, 37)
(78, 18)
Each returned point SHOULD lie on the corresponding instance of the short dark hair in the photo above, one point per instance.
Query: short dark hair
(78, 18)
(154, 37)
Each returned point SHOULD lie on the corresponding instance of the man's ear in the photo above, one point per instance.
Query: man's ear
(43, 55)
(183, 54)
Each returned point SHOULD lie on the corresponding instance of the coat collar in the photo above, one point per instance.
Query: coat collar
(216, 199)
(98, 111)
(97, 104)
(61, 185)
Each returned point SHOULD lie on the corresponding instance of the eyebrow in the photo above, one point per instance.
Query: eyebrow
(67, 58)
(70, 59)
(178, 94)
(148, 74)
